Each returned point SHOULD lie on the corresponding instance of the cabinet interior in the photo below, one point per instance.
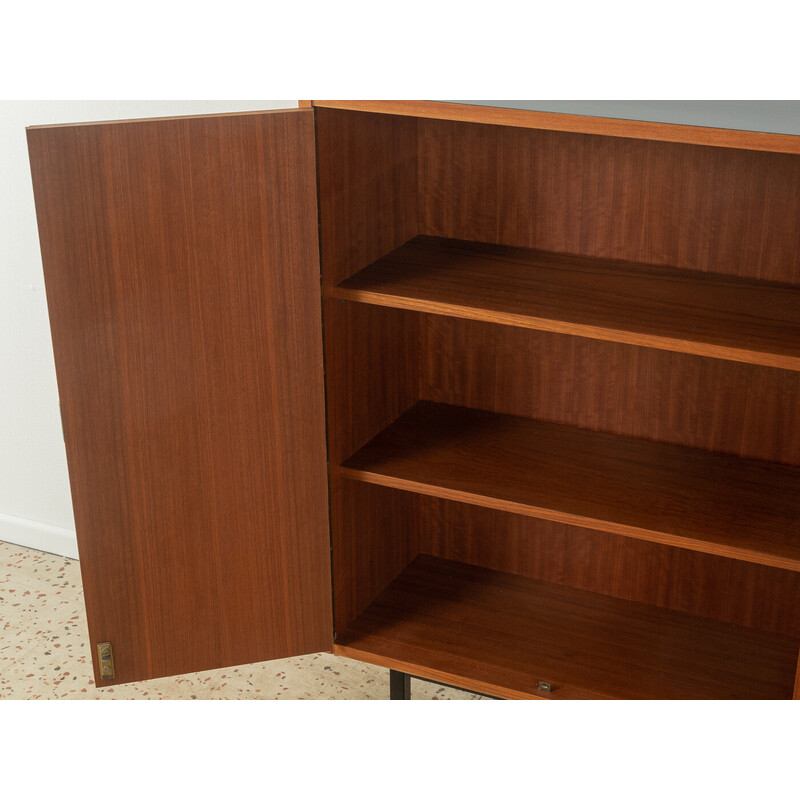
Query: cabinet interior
(644, 327)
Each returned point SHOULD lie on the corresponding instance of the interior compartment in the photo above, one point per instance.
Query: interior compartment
(423, 582)
(518, 637)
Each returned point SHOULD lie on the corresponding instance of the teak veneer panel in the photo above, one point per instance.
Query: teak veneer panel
(728, 407)
(664, 493)
(725, 589)
(368, 197)
(573, 123)
(700, 208)
(502, 634)
(375, 537)
(182, 261)
(367, 185)
(679, 310)
(182, 272)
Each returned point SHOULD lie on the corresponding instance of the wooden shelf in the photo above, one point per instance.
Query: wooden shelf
(679, 310)
(502, 634)
(680, 496)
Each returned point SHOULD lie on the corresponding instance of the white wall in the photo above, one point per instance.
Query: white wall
(35, 506)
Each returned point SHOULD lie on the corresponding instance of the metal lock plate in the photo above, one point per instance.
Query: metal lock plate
(105, 658)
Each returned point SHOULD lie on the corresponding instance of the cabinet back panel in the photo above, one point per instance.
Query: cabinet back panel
(690, 206)
(725, 406)
(697, 583)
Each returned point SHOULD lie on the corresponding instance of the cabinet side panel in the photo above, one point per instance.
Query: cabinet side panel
(687, 206)
(182, 273)
(367, 188)
(368, 206)
(375, 537)
(372, 378)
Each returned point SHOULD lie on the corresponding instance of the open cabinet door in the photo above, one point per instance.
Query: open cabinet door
(182, 271)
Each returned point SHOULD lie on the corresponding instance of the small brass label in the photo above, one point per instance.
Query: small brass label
(105, 658)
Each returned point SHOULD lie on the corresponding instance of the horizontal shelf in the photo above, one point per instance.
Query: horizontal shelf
(502, 634)
(680, 496)
(755, 322)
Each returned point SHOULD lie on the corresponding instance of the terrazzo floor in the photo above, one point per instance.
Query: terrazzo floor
(44, 652)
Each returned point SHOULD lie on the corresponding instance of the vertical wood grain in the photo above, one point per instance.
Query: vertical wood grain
(687, 206)
(368, 206)
(706, 585)
(367, 188)
(182, 276)
(371, 379)
(375, 537)
(735, 408)
(732, 212)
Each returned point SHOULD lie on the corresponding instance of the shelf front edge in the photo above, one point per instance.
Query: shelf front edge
(674, 345)
(438, 676)
(553, 515)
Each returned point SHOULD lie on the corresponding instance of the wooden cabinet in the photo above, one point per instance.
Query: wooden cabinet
(553, 371)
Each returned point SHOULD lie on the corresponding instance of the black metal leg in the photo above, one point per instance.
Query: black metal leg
(399, 685)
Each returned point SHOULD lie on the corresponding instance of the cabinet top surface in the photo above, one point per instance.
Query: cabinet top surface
(764, 116)
(768, 125)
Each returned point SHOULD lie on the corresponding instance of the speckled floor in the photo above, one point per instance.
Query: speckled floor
(44, 652)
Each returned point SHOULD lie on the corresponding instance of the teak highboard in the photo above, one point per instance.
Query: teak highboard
(500, 398)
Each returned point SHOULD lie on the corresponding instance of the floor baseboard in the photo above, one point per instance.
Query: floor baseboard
(38, 535)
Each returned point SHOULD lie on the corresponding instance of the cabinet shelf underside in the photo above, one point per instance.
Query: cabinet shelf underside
(685, 311)
(675, 495)
(501, 634)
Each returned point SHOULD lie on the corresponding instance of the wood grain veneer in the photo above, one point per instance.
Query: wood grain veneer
(677, 310)
(502, 634)
(181, 268)
(700, 208)
(372, 372)
(573, 123)
(680, 496)
(736, 408)
(724, 589)
(375, 537)
(368, 206)
(372, 539)
(368, 198)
